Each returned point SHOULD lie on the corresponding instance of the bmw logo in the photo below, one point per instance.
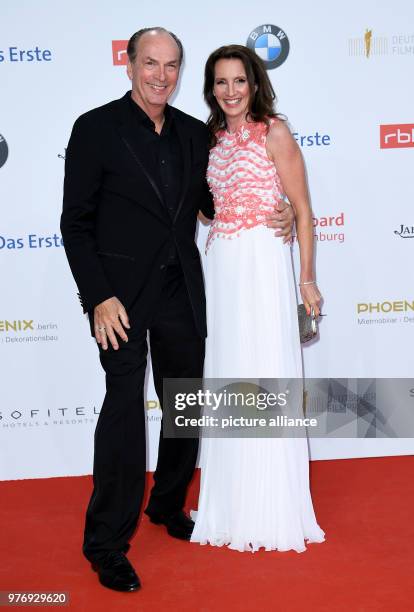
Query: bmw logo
(4, 151)
(271, 45)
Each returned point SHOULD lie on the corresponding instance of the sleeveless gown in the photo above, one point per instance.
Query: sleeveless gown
(254, 492)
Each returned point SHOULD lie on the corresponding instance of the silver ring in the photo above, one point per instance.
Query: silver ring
(101, 329)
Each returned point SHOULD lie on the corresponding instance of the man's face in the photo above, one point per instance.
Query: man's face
(155, 70)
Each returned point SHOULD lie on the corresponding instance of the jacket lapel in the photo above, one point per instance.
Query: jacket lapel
(125, 133)
(126, 128)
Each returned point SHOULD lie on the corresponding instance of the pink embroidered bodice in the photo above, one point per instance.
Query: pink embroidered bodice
(243, 181)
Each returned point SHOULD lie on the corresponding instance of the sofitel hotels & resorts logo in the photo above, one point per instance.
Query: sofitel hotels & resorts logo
(12, 419)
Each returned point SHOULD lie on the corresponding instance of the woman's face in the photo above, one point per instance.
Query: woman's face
(231, 88)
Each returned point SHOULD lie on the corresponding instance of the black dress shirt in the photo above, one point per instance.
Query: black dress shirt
(163, 158)
(163, 154)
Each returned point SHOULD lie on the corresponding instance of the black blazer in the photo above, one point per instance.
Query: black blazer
(116, 229)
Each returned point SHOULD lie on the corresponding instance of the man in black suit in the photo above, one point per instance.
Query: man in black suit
(134, 185)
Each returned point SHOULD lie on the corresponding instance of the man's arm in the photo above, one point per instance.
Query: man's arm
(207, 205)
(83, 174)
(282, 219)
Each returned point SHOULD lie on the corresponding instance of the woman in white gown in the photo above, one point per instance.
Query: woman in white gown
(254, 491)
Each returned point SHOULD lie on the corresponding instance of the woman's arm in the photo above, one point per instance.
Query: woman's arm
(284, 151)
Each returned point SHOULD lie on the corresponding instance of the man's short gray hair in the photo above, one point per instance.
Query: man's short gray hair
(133, 42)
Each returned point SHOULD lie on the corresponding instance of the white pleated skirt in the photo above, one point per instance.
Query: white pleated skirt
(254, 492)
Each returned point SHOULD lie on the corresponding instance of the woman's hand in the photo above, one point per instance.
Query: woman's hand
(311, 297)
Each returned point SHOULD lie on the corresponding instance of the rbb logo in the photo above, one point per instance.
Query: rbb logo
(397, 136)
(119, 52)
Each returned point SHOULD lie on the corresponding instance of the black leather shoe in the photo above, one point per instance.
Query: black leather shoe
(116, 572)
(178, 524)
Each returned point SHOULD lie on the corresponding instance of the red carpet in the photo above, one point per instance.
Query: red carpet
(365, 506)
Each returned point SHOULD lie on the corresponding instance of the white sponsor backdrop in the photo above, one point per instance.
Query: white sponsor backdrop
(52, 385)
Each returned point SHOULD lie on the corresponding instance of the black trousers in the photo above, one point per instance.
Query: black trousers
(120, 449)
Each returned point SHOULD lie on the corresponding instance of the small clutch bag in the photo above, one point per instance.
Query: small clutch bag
(308, 326)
